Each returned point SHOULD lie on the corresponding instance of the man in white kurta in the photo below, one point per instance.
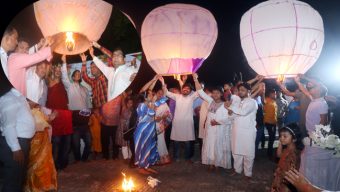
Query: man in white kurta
(183, 122)
(216, 149)
(120, 76)
(243, 131)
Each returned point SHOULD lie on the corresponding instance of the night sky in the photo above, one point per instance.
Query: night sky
(227, 56)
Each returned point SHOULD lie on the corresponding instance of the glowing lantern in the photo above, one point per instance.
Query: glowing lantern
(73, 23)
(281, 38)
(177, 38)
(127, 185)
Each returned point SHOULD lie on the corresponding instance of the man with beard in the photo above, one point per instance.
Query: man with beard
(243, 131)
(183, 122)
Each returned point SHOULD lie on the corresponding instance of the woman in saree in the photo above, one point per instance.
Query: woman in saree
(41, 172)
(145, 136)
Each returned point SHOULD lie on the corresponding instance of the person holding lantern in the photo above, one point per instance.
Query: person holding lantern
(243, 130)
(183, 123)
(120, 75)
(79, 100)
(216, 151)
(21, 60)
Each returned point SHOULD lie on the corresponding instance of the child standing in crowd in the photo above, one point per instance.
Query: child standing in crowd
(124, 126)
(289, 151)
(94, 124)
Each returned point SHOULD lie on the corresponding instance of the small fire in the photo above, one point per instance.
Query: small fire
(127, 185)
(70, 43)
(177, 77)
(280, 78)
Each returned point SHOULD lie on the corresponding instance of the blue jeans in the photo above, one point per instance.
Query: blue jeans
(86, 136)
(61, 146)
(260, 137)
(188, 149)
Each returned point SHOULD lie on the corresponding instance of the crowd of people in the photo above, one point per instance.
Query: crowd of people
(229, 123)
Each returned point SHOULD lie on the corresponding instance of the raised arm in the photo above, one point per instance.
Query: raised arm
(102, 67)
(84, 75)
(285, 90)
(251, 81)
(64, 75)
(22, 60)
(149, 85)
(197, 83)
(302, 88)
(165, 89)
(102, 49)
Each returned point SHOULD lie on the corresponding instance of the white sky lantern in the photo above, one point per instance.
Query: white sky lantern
(281, 37)
(177, 38)
(74, 23)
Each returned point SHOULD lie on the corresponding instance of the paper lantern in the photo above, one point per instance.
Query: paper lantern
(130, 19)
(73, 23)
(177, 38)
(281, 37)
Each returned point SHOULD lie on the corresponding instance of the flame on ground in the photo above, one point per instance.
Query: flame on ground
(127, 185)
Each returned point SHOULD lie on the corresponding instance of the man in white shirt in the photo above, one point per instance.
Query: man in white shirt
(36, 88)
(313, 158)
(243, 130)
(8, 43)
(183, 122)
(120, 75)
(17, 128)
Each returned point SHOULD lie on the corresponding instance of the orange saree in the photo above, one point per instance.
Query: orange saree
(41, 174)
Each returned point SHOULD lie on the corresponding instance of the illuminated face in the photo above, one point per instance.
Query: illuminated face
(22, 47)
(216, 95)
(286, 138)
(76, 76)
(57, 72)
(94, 70)
(12, 41)
(226, 87)
(41, 70)
(186, 90)
(118, 58)
(150, 95)
(262, 88)
(243, 92)
(159, 94)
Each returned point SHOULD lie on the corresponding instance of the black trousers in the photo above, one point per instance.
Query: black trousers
(271, 128)
(61, 146)
(168, 135)
(14, 173)
(86, 137)
(108, 132)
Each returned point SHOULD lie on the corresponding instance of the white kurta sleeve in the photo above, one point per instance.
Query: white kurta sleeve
(64, 76)
(170, 94)
(222, 116)
(194, 95)
(204, 96)
(246, 109)
(103, 68)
